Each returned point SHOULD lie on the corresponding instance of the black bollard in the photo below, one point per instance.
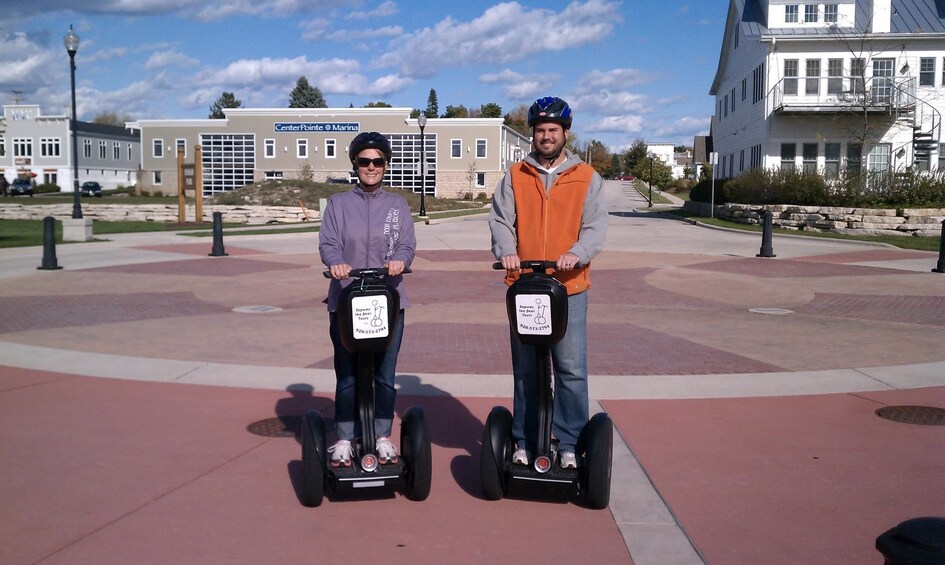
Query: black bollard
(50, 262)
(941, 252)
(217, 250)
(766, 250)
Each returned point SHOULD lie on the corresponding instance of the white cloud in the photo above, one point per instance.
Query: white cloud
(23, 62)
(518, 86)
(629, 124)
(684, 128)
(384, 10)
(503, 33)
(163, 59)
(614, 79)
(606, 103)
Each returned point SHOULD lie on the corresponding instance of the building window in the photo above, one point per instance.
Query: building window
(943, 72)
(273, 175)
(733, 99)
(228, 161)
(405, 162)
(49, 146)
(812, 84)
(831, 160)
(741, 161)
(758, 84)
(269, 148)
(858, 74)
(22, 147)
(331, 146)
(879, 159)
(726, 105)
(480, 149)
(301, 148)
(50, 178)
(788, 154)
(790, 77)
(130, 152)
(180, 144)
(854, 158)
(831, 13)
(736, 35)
(941, 157)
(116, 151)
(156, 178)
(790, 13)
(810, 13)
(744, 88)
(927, 71)
(834, 76)
(480, 180)
(809, 155)
(87, 148)
(456, 148)
(3, 147)
(157, 148)
(102, 150)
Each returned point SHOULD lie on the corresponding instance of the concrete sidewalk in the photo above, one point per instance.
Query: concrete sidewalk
(743, 390)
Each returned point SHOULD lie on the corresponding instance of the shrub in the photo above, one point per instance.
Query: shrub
(46, 188)
(702, 191)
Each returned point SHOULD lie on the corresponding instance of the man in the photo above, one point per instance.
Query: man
(551, 206)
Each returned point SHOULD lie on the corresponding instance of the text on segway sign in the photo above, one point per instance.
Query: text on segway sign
(369, 317)
(533, 314)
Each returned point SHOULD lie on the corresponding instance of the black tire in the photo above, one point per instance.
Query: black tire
(313, 459)
(417, 454)
(496, 442)
(598, 460)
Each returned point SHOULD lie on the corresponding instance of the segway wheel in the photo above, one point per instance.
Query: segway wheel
(496, 445)
(313, 459)
(599, 455)
(417, 454)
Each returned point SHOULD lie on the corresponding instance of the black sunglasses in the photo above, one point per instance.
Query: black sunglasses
(378, 162)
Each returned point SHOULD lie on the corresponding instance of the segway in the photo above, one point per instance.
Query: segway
(368, 312)
(537, 307)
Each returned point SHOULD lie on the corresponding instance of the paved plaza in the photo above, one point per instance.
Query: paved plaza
(139, 385)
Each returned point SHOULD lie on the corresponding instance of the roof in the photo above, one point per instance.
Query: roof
(103, 130)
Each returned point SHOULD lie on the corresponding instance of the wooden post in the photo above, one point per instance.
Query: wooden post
(198, 184)
(181, 200)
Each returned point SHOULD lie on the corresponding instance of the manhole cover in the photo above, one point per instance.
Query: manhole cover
(256, 309)
(771, 311)
(287, 426)
(919, 415)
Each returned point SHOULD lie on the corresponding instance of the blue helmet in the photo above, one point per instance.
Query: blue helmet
(550, 109)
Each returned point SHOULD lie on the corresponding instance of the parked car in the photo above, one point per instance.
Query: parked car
(91, 188)
(21, 186)
(627, 177)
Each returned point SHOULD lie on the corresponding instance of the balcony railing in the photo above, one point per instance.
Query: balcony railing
(840, 94)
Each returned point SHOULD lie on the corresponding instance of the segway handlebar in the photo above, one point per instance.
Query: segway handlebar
(529, 265)
(369, 272)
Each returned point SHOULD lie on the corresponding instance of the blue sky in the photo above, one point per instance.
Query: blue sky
(630, 69)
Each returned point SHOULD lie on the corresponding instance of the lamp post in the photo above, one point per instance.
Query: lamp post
(650, 205)
(71, 41)
(422, 122)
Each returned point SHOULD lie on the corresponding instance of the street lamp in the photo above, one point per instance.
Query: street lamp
(650, 205)
(71, 41)
(422, 122)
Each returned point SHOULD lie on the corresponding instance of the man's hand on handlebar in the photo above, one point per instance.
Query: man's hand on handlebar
(511, 263)
(567, 262)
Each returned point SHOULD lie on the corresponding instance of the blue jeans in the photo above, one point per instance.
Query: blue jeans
(347, 425)
(569, 360)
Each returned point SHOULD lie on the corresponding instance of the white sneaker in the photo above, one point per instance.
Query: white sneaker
(567, 460)
(341, 453)
(386, 451)
(520, 457)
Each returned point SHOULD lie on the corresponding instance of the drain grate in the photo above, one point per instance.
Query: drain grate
(919, 415)
(287, 426)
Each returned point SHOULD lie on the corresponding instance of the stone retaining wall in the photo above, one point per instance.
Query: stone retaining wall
(160, 213)
(854, 221)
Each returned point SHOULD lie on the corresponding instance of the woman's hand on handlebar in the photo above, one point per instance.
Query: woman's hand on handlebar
(395, 268)
(340, 272)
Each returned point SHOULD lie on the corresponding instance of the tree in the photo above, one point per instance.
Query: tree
(377, 104)
(111, 119)
(226, 100)
(490, 110)
(517, 119)
(433, 108)
(662, 173)
(456, 112)
(635, 154)
(304, 95)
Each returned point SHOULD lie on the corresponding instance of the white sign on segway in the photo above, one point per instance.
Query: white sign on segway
(369, 317)
(533, 314)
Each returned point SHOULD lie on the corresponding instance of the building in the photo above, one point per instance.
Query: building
(40, 147)
(830, 87)
(463, 155)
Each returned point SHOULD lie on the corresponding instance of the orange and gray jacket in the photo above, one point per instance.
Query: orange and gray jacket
(537, 214)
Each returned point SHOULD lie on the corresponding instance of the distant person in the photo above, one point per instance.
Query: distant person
(551, 206)
(363, 228)
(4, 185)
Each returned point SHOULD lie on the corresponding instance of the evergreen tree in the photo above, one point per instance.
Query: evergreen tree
(226, 100)
(377, 104)
(304, 95)
(490, 110)
(433, 108)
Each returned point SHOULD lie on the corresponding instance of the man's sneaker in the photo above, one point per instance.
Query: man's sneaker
(520, 457)
(341, 453)
(386, 451)
(568, 460)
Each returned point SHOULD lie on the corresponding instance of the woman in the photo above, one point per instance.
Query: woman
(362, 228)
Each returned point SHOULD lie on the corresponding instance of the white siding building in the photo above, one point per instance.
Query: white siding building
(462, 155)
(40, 147)
(830, 86)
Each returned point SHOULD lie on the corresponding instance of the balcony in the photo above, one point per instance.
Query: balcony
(843, 94)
